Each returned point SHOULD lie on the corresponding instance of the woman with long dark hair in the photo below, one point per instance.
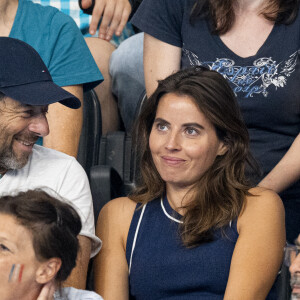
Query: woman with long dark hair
(255, 46)
(193, 228)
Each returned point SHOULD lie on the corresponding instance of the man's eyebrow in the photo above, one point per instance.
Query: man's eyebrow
(22, 105)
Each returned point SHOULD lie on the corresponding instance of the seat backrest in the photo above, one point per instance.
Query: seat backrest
(117, 170)
(91, 131)
(116, 152)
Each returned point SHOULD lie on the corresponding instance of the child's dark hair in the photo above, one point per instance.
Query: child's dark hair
(54, 226)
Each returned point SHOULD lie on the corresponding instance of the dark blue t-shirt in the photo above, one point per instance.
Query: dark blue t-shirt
(267, 84)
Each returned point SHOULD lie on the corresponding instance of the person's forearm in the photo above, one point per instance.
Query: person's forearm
(160, 60)
(65, 125)
(286, 172)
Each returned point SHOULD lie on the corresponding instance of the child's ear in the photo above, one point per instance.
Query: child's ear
(48, 270)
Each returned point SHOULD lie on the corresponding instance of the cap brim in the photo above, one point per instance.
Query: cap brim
(41, 93)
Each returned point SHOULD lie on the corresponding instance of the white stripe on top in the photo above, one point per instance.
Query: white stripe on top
(135, 236)
(170, 217)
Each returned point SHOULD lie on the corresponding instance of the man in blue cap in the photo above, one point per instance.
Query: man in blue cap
(26, 91)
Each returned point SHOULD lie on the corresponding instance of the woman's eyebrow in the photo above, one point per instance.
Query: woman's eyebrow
(193, 125)
(161, 120)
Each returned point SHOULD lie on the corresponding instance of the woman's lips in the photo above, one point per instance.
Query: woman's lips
(172, 161)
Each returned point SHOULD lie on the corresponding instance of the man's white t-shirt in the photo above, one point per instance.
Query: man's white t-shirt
(50, 169)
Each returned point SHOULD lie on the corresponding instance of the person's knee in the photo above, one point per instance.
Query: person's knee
(127, 56)
(101, 51)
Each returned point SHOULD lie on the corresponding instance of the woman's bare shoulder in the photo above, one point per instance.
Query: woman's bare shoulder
(115, 217)
(122, 204)
(121, 208)
(262, 197)
(261, 205)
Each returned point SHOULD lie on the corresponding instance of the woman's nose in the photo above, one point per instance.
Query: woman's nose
(173, 142)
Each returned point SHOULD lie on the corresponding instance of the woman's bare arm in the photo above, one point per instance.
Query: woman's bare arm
(259, 249)
(286, 172)
(110, 265)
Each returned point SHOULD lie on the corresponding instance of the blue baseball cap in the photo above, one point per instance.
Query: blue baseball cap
(25, 78)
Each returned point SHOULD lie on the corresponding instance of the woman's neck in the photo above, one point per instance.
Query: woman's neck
(246, 6)
(178, 197)
(250, 29)
(8, 10)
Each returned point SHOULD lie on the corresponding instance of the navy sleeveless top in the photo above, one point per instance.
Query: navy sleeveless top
(161, 267)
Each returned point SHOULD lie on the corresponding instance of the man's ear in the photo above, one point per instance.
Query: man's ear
(223, 148)
(48, 270)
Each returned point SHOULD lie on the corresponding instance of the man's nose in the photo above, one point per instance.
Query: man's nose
(39, 125)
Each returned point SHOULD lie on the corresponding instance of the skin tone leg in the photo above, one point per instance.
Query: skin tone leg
(65, 125)
(101, 51)
(8, 10)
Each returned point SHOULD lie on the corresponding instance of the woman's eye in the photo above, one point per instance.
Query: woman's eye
(162, 127)
(191, 131)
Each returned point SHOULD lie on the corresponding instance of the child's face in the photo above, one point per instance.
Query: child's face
(18, 262)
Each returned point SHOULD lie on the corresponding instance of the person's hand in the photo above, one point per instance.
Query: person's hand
(114, 15)
(47, 291)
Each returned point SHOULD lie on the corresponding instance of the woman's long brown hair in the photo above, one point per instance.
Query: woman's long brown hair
(218, 197)
(221, 12)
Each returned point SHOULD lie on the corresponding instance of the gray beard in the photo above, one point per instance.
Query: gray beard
(9, 161)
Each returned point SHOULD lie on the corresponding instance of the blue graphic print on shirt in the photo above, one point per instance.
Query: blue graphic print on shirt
(250, 79)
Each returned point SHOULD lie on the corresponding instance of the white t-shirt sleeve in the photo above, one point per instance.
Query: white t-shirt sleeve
(76, 189)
